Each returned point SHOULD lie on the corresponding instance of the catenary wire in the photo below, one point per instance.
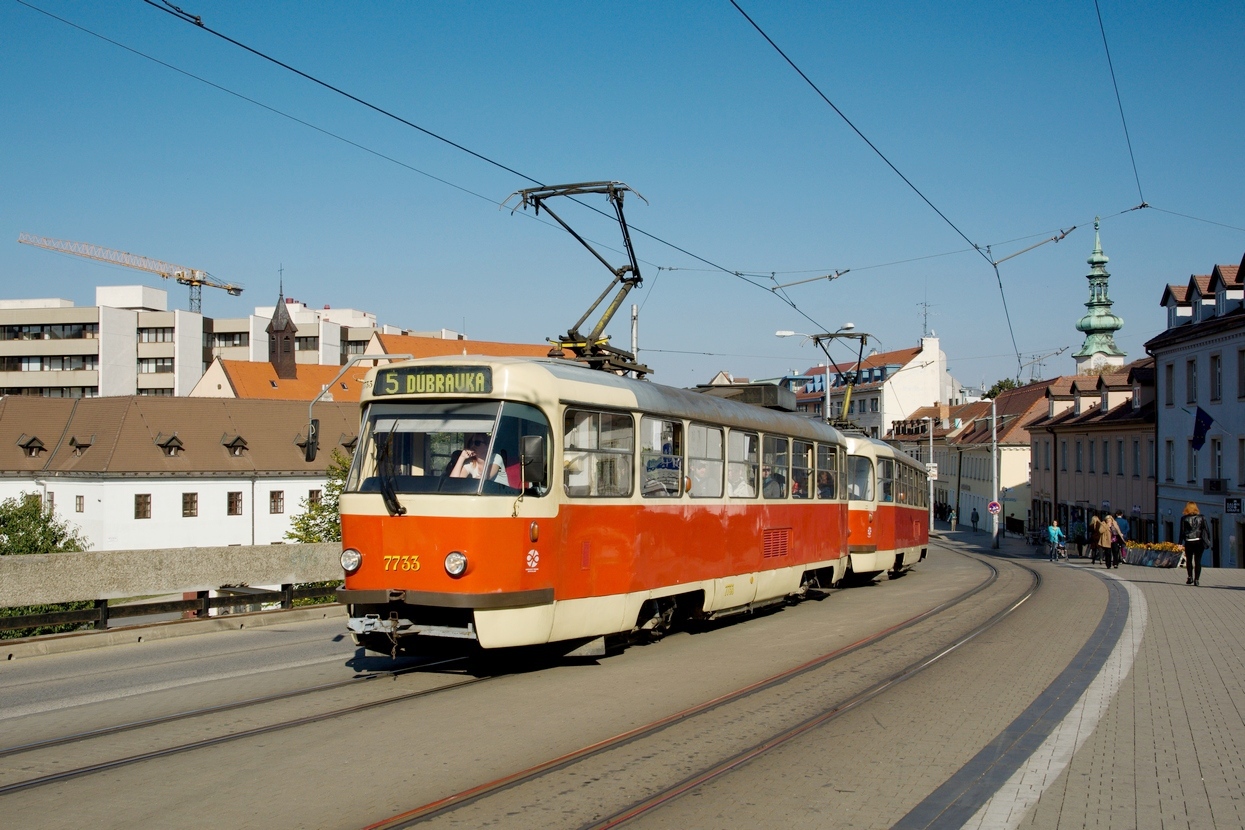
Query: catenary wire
(1119, 102)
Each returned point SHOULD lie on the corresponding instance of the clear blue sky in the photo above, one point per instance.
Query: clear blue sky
(1002, 114)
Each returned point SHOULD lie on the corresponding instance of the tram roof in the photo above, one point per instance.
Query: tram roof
(573, 383)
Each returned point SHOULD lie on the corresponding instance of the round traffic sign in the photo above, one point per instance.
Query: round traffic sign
(994, 507)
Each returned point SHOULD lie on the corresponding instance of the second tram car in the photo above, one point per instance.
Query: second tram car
(888, 515)
(512, 502)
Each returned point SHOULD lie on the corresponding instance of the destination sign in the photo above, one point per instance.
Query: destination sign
(434, 380)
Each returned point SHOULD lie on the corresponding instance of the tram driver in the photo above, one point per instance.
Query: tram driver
(469, 462)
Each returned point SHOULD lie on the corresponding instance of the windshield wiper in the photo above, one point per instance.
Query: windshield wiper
(384, 467)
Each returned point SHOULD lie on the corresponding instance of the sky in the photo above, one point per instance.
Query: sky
(179, 145)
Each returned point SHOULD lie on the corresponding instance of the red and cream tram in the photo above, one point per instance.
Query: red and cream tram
(512, 502)
(888, 508)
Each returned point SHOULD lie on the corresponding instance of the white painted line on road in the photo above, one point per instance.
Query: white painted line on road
(1008, 806)
(99, 697)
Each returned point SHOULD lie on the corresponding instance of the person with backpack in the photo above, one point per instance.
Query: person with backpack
(1194, 533)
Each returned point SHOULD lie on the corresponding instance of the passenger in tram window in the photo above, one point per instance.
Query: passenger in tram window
(738, 483)
(706, 478)
(773, 484)
(825, 485)
(469, 462)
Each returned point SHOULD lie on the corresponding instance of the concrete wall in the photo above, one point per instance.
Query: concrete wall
(62, 577)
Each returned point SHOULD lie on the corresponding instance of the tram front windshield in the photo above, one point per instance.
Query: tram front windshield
(447, 447)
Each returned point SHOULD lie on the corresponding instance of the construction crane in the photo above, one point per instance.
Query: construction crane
(191, 277)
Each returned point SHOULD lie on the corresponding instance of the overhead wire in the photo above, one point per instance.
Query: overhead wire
(1002, 294)
(1106, 48)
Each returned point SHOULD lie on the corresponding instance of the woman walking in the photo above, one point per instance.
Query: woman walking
(1194, 533)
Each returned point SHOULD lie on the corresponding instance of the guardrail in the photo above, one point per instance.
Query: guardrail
(98, 576)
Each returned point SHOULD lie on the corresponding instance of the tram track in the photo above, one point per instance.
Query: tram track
(190, 746)
(452, 805)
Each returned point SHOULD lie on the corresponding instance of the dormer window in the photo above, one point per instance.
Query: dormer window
(171, 446)
(1136, 396)
(235, 444)
(349, 443)
(31, 446)
(1102, 403)
(81, 445)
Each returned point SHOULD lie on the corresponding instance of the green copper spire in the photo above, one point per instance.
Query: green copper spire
(1099, 324)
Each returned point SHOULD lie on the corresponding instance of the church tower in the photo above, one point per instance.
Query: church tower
(281, 334)
(1098, 353)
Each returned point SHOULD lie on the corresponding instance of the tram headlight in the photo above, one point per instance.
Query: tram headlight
(351, 560)
(455, 563)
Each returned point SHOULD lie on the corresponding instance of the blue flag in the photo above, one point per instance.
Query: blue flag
(1201, 425)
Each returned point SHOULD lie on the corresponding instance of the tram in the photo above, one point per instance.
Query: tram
(888, 509)
(499, 502)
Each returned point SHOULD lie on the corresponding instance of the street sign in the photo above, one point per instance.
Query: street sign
(1232, 504)
(931, 467)
(994, 507)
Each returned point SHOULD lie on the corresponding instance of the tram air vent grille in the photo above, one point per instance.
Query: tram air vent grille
(776, 541)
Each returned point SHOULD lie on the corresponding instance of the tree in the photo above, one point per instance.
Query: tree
(999, 387)
(320, 520)
(25, 527)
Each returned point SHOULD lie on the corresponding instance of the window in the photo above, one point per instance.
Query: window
(1150, 458)
(705, 460)
(190, 505)
(829, 475)
(155, 365)
(1063, 456)
(1093, 449)
(226, 339)
(79, 502)
(1190, 381)
(49, 502)
(1216, 458)
(306, 344)
(742, 454)
(802, 469)
(886, 480)
(276, 501)
(1106, 457)
(1119, 456)
(873, 404)
(1169, 384)
(1192, 463)
(160, 335)
(1240, 373)
(1046, 455)
(142, 506)
(1169, 460)
(1216, 377)
(1080, 456)
(775, 464)
(661, 458)
(1136, 458)
(314, 497)
(234, 503)
(1240, 463)
(859, 478)
(600, 448)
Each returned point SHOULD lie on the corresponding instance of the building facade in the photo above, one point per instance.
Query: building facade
(1200, 410)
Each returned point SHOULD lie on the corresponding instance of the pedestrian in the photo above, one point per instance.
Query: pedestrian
(1054, 539)
(974, 518)
(1122, 544)
(951, 518)
(1112, 541)
(1093, 534)
(1195, 534)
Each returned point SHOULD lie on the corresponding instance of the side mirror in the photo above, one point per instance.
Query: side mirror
(532, 454)
(313, 440)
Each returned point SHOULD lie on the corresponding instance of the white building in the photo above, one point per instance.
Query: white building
(1200, 368)
(134, 473)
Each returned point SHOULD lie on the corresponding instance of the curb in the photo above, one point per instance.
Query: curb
(87, 640)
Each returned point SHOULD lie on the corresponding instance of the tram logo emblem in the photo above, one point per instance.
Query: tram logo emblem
(533, 561)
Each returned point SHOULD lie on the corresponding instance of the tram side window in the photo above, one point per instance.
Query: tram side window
(801, 469)
(598, 455)
(704, 460)
(859, 478)
(886, 480)
(827, 471)
(741, 464)
(775, 465)
(661, 458)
